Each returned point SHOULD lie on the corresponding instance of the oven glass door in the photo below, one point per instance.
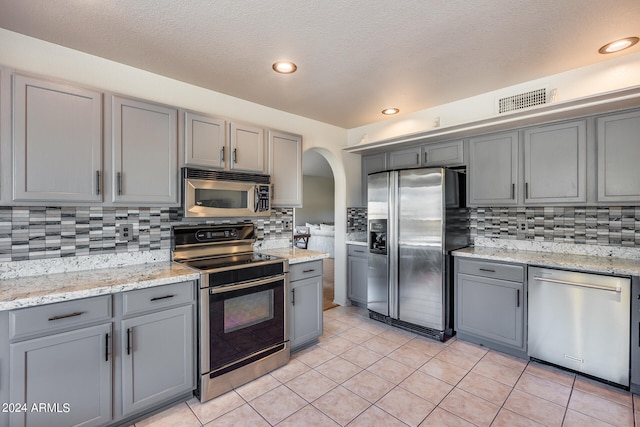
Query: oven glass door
(244, 321)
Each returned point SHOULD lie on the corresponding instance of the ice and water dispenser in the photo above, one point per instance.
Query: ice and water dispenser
(378, 236)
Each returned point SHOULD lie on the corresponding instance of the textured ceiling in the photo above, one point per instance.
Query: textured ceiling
(354, 57)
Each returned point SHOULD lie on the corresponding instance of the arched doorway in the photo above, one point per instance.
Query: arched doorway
(335, 161)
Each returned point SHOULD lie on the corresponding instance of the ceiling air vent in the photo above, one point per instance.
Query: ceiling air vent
(522, 100)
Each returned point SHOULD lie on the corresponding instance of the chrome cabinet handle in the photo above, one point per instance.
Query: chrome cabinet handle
(97, 183)
(487, 270)
(513, 191)
(222, 154)
(119, 183)
(526, 190)
(235, 156)
(517, 297)
(309, 271)
(65, 316)
(426, 157)
(293, 297)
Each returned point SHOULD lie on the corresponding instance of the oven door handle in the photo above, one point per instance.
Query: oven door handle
(245, 285)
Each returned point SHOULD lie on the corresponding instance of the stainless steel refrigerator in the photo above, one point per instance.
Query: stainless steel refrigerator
(415, 218)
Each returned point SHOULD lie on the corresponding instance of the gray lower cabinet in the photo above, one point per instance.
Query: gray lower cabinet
(635, 335)
(618, 154)
(305, 281)
(83, 363)
(144, 153)
(62, 373)
(157, 357)
(52, 124)
(69, 372)
(490, 304)
(493, 170)
(555, 163)
(357, 265)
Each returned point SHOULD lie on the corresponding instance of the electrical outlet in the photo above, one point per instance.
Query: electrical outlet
(286, 225)
(125, 232)
(522, 225)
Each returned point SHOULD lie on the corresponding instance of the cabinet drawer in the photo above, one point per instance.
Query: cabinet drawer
(357, 250)
(305, 270)
(53, 317)
(157, 297)
(496, 270)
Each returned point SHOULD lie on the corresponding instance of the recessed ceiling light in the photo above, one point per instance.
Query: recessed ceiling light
(284, 67)
(390, 111)
(618, 45)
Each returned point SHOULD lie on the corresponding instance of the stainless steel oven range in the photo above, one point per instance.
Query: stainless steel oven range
(243, 321)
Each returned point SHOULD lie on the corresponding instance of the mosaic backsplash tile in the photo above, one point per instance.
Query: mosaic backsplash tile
(356, 219)
(54, 232)
(614, 226)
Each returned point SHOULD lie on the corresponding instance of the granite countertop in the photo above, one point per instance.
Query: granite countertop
(296, 255)
(587, 258)
(31, 290)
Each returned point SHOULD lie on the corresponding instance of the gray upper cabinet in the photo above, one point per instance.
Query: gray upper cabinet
(247, 148)
(70, 368)
(205, 141)
(54, 123)
(618, 154)
(144, 153)
(450, 153)
(371, 164)
(405, 158)
(285, 168)
(493, 170)
(555, 163)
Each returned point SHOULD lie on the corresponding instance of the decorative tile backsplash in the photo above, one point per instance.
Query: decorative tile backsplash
(614, 226)
(53, 232)
(356, 219)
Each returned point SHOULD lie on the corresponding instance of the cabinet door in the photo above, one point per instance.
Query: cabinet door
(406, 158)
(57, 142)
(145, 148)
(157, 357)
(443, 154)
(490, 308)
(306, 311)
(70, 371)
(555, 163)
(205, 141)
(371, 164)
(247, 148)
(357, 276)
(285, 168)
(493, 170)
(618, 154)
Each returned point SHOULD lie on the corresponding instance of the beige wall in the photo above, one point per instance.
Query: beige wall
(318, 205)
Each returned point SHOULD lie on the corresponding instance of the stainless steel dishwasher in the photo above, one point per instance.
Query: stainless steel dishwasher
(580, 321)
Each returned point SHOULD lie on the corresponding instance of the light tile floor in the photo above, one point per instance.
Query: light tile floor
(364, 373)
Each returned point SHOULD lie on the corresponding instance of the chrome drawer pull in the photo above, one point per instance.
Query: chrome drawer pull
(487, 270)
(582, 285)
(64, 316)
(309, 271)
(164, 297)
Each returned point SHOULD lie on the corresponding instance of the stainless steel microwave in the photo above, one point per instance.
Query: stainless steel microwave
(219, 194)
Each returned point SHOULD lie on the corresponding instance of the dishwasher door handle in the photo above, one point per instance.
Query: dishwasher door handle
(617, 289)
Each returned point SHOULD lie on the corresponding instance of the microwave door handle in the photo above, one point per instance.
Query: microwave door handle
(256, 199)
